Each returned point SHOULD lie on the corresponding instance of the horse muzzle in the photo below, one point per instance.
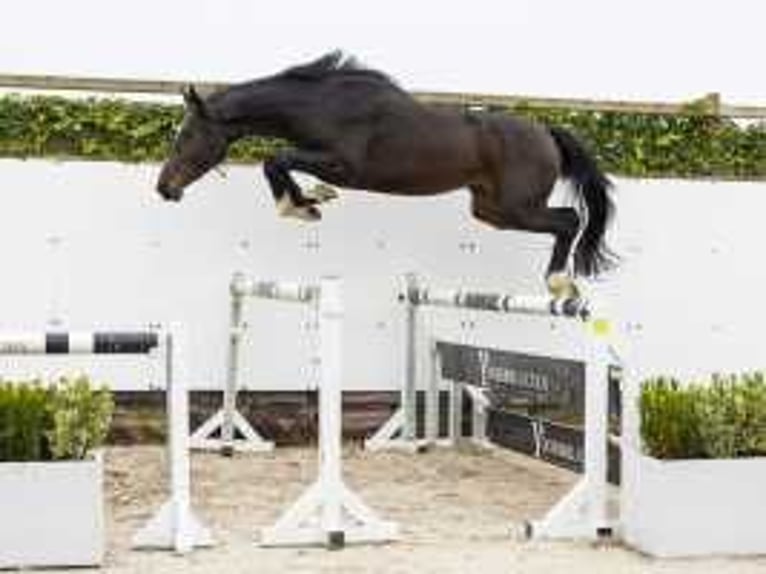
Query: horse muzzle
(170, 193)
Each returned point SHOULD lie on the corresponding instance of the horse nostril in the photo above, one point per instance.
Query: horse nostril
(168, 193)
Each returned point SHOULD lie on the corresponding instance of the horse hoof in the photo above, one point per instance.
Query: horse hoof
(322, 193)
(562, 286)
(307, 213)
(302, 212)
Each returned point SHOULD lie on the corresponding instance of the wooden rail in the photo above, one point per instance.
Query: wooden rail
(710, 102)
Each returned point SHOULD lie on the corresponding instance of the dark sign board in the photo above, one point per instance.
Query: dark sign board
(556, 443)
(516, 379)
(527, 393)
(512, 430)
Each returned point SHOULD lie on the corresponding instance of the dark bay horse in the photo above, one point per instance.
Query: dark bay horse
(353, 127)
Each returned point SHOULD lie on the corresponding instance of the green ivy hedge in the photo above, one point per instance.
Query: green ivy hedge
(640, 145)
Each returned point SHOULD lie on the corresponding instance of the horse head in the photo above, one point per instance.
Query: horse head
(200, 145)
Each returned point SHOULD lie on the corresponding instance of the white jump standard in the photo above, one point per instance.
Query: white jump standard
(582, 513)
(228, 421)
(328, 513)
(400, 430)
(174, 525)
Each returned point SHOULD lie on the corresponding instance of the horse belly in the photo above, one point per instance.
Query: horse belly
(417, 170)
(412, 185)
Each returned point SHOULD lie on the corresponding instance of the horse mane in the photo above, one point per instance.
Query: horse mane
(237, 101)
(333, 63)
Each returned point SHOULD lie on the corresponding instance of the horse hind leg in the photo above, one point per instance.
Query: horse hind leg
(560, 276)
(561, 222)
(564, 224)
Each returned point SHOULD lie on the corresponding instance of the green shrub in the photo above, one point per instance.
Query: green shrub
(25, 418)
(61, 421)
(724, 417)
(81, 417)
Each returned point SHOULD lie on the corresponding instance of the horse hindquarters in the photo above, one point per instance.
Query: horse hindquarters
(520, 171)
(561, 222)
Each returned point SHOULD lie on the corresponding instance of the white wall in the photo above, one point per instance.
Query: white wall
(90, 245)
(689, 296)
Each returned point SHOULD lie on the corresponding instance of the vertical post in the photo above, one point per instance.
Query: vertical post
(596, 431)
(630, 446)
(328, 512)
(432, 397)
(178, 432)
(410, 392)
(232, 370)
(456, 412)
(330, 408)
(582, 513)
(479, 420)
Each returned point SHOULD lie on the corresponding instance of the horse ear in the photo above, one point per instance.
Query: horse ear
(193, 101)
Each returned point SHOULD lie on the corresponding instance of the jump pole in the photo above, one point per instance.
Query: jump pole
(399, 431)
(582, 513)
(228, 421)
(174, 525)
(328, 513)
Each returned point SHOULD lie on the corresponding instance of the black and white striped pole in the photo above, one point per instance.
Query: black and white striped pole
(79, 343)
(174, 526)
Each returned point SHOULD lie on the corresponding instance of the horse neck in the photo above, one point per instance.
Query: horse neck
(260, 108)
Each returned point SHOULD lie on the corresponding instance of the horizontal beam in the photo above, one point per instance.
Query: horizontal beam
(160, 87)
(87, 343)
(498, 302)
(710, 104)
(241, 286)
(98, 85)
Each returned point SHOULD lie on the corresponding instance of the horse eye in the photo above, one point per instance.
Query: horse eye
(175, 137)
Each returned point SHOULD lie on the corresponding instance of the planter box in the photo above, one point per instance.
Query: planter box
(51, 513)
(697, 507)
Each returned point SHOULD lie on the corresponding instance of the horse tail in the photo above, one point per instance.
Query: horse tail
(591, 255)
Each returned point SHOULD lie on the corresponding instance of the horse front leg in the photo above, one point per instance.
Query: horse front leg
(288, 195)
(290, 199)
(321, 193)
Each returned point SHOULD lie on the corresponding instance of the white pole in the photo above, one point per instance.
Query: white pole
(178, 449)
(232, 370)
(330, 405)
(630, 447)
(410, 392)
(328, 512)
(174, 524)
(457, 390)
(432, 397)
(21, 343)
(228, 421)
(596, 430)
